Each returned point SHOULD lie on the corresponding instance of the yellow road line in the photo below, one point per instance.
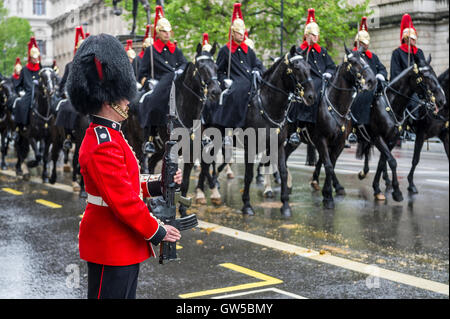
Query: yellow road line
(47, 203)
(12, 191)
(265, 281)
(370, 270)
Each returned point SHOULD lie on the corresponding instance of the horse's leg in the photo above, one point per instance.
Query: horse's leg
(45, 155)
(340, 190)
(185, 186)
(418, 144)
(247, 209)
(4, 150)
(396, 194)
(315, 178)
(327, 191)
(444, 137)
(135, 8)
(311, 158)
(200, 197)
(282, 168)
(259, 177)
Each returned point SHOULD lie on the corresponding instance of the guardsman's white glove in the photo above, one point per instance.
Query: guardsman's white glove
(228, 83)
(381, 77)
(327, 75)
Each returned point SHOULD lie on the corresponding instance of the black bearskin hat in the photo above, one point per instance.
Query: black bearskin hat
(101, 72)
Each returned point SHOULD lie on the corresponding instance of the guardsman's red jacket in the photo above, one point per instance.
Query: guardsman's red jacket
(117, 228)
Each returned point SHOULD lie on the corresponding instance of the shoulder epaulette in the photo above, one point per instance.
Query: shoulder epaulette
(102, 134)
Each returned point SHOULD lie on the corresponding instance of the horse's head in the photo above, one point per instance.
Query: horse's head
(47, 82)
(426, 83)
(207, 69)
(301, 72)
(359, 70)
(7, 93)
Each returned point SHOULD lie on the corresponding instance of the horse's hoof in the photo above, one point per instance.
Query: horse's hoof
(248, 210)
(328, 204)
(268, 194)
(53, 180)
(216, 201)
(67, 168)
(315, 185)
(413, 190)
(76, 187)
(259, 179)
(397, 196)
(45, 180)
(83, 194)
(380, 197)
(341, 191)
(32, 164)
(286, 211)
(200, 201)
(361, 176)
(277, 178)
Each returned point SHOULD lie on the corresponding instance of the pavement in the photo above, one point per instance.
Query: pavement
(361, 249)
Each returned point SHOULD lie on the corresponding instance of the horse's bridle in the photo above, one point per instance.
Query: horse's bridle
(47, 96)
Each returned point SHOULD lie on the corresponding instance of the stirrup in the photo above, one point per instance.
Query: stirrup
(294, 139)
(67, 145)
(149, 148)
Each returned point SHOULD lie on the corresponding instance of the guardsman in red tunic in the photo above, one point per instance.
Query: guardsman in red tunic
(117, 230)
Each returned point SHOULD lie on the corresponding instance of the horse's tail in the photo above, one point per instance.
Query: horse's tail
(363, 148)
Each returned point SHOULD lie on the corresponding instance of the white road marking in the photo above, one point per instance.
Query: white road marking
(251, 292)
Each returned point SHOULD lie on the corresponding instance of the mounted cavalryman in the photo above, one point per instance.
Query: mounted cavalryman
(16, 74)
(66, 114)
(322, 68)
(406, 55)
(361, 106)
(161, 61)
(28, 81)
(236, 78)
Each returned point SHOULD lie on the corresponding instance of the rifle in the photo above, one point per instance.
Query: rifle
(166, 210)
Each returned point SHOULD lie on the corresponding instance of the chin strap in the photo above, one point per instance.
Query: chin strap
(116, 107)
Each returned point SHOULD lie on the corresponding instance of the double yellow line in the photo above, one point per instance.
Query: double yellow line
(39, 201)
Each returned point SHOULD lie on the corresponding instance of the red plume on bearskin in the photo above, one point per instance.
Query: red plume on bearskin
(79, 33)
(159, 13)
(406, 24)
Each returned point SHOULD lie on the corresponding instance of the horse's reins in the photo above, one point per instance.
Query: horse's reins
(291, 96)
(49, 115)
(203, 99)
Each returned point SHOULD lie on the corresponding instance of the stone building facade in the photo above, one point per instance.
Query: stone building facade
(430, 18)
(93, 15)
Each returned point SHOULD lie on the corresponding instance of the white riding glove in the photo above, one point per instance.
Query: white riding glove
(327, 75)
(380, 77)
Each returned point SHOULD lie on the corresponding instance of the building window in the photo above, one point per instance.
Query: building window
(19, 7)
(39, 7)
(42, 47)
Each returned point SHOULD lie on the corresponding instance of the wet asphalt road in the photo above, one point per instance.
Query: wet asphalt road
(342, 253)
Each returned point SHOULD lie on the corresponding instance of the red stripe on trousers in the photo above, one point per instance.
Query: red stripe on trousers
(101, 279)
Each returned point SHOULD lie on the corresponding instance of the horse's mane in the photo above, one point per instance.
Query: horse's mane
(443, 77)
(272, 69)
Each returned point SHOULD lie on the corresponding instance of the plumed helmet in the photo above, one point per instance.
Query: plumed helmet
(33, 50)
(161, 23)
(249, 42)
(17, 66)
(363, 34)
(407, 28)
(101, 72)
(237, 20)
(311, 26)
(79, 38)
(205, 43)
(147, 39)
(129, 49)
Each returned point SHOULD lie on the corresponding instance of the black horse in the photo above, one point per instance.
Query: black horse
(431, 124)
(287, 80)
(7, 98)
(388, 118)
(197, 84)
(41, 131)
(329, 132)
(144, 3)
